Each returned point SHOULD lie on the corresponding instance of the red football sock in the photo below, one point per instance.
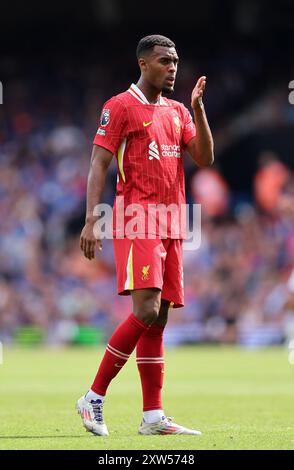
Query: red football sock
(120, 347)
(150, 362)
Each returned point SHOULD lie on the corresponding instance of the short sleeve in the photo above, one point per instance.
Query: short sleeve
(189, 130)
(112, 124)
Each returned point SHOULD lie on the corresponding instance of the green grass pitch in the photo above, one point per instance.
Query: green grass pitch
(239, 399)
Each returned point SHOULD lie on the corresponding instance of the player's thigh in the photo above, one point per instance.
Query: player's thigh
(146, 301)
(173, 281)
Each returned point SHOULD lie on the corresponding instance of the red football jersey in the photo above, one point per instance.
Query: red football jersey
(148, 141)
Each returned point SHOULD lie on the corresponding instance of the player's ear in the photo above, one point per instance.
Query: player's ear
(142, 64)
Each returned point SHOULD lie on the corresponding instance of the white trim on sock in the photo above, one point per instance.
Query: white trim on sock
(112, 349)
(90, 395)
(152, 416)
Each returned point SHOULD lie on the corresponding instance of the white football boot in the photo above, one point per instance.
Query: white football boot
(164, 427)
(92, 416)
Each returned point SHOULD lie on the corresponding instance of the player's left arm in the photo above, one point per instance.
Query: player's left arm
(200, 147)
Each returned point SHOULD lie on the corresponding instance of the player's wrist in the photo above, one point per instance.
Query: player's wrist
(91, 219)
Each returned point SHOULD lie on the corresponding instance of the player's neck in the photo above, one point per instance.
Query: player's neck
(151, 94)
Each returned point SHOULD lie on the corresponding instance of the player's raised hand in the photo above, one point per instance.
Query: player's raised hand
(88, 241)
(197, 93)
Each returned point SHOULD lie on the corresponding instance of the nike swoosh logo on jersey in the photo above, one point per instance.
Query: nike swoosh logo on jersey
(145, 124)
(118, 365)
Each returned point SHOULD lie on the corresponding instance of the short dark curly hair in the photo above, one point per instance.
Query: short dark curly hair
(148, 42)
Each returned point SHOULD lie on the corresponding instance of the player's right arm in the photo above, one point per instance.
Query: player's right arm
(100, 161)
(106, 142)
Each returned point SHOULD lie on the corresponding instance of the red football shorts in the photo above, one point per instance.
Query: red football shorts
(145, 263)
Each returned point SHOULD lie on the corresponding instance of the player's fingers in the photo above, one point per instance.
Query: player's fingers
(202, 86)
(89, 249)
(198, 89)
(203, 83)
(86, 248)
(82, 243)
(195, 93)
(200, 80)
(92, 249)
(92, 252)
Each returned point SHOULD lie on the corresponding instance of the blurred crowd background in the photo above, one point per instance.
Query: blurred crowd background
(58, 65)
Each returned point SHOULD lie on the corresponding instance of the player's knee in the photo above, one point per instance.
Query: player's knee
(149, 316)
(149, 312)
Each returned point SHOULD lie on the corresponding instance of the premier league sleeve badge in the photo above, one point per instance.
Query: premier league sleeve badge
(105, 117)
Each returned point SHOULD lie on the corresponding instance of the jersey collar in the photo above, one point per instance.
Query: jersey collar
(137, 93)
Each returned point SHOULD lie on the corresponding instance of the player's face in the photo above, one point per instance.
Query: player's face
(161, 68)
